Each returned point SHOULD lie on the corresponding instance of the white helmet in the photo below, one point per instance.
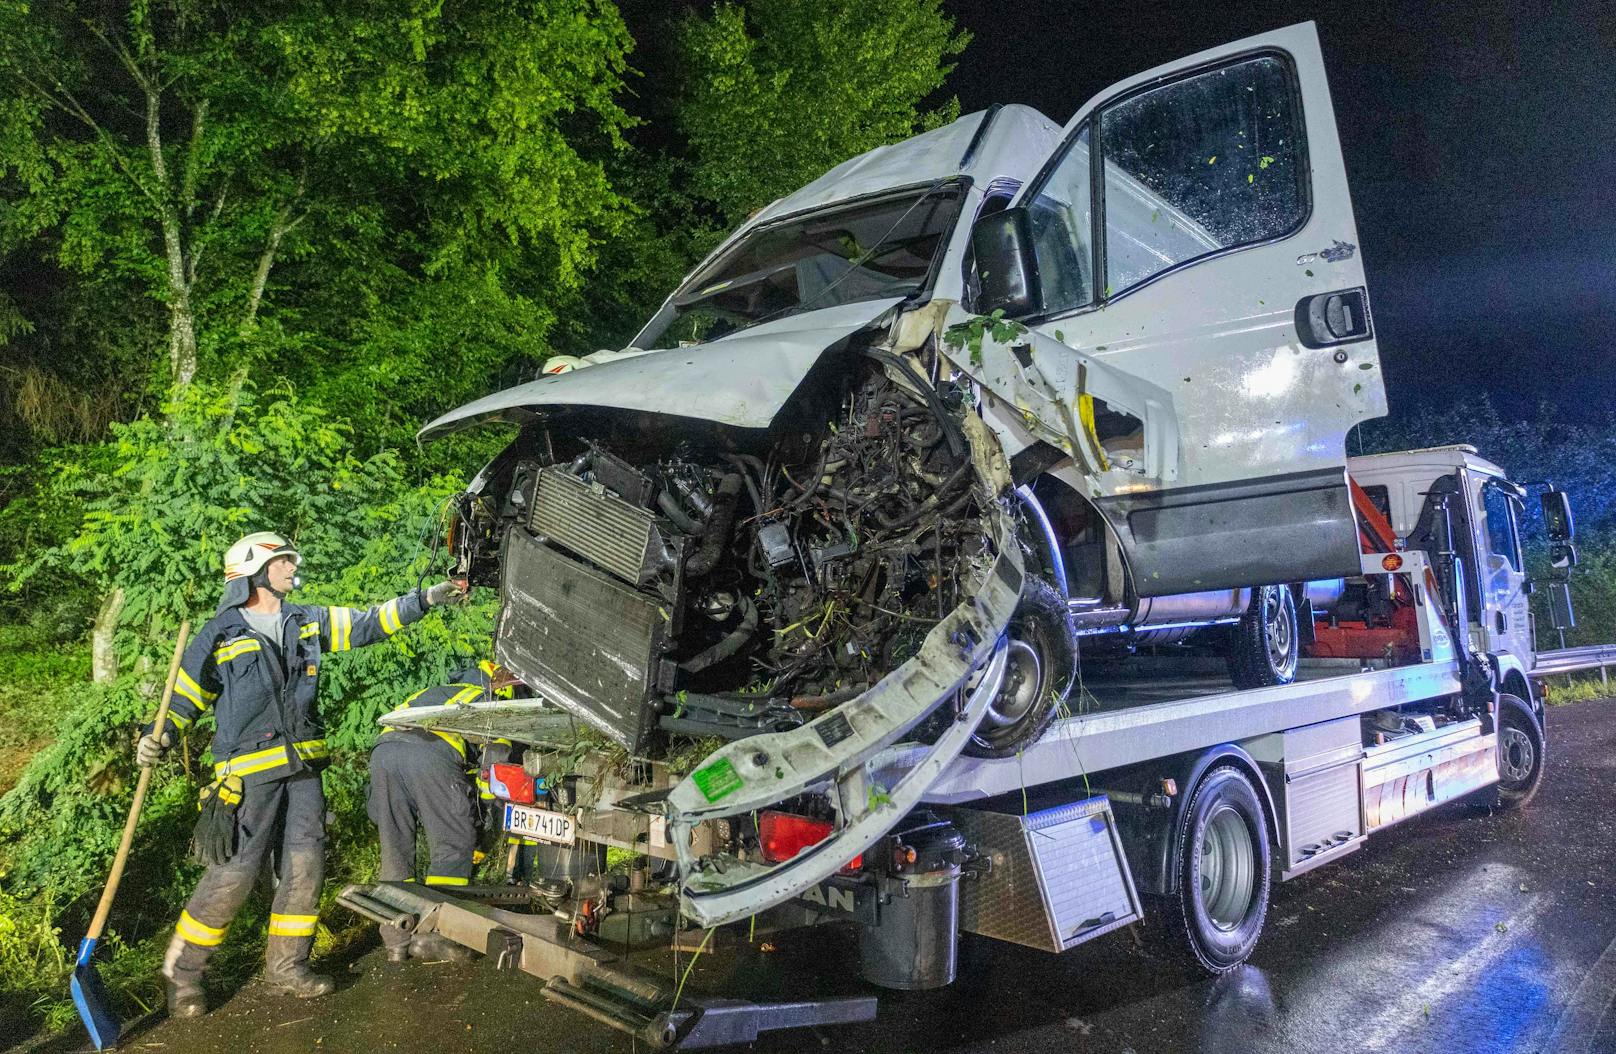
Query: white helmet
(248, 556)
(558, 364)
(245, 559)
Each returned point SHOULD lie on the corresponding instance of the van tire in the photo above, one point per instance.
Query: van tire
(1265, 645)
(1042, 667)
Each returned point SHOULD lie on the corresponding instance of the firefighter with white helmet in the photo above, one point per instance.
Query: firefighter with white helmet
(256, 665)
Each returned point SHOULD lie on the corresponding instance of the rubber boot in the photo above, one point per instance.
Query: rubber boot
(182, 976)
(287, 970)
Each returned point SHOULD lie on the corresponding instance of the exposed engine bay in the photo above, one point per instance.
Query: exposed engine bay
(733, 581)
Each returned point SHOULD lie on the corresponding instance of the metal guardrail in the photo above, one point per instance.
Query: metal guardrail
(1576, 660)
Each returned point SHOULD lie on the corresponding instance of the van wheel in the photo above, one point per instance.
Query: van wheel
(1265, 645)
(1038, 675)
(1222, 881)
(1520, 752)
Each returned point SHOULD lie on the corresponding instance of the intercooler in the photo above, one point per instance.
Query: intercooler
(601, 528)
(579, 638)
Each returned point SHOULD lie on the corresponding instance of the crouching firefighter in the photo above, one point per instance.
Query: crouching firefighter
(427, 779)
(257, 664)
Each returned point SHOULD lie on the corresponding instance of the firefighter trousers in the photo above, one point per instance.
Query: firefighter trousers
(420, 781)
(288, 814)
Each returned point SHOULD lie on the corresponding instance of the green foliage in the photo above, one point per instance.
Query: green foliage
(778, 91)
(970, 333)
(423, 182)
(225, 463)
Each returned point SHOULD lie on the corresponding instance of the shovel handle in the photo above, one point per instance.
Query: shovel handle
(99, 922)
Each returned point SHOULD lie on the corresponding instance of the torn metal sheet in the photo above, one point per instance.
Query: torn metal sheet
(531, 721)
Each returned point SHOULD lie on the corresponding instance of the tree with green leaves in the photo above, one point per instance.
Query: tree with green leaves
(775, 92)
(294, 178)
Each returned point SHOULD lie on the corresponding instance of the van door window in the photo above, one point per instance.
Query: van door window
(1199, 165)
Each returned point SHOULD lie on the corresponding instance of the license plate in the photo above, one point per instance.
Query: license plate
(542, 824)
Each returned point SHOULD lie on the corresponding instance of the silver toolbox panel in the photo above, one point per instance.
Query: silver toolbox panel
(1314, 773)
(1058, 876)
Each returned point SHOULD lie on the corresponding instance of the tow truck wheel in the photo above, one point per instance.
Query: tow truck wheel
(1266, 644)
(1222, 878)
(1041, 666)
(1520, 752)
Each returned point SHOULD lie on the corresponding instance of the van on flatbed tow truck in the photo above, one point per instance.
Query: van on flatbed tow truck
(890, 496)
(1162, 790)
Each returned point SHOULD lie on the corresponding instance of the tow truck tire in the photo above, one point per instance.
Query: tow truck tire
(1265, 644)
(1041, 668)
(1520, 753)
(1221, 900)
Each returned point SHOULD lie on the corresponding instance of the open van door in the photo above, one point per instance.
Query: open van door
(1194, 231)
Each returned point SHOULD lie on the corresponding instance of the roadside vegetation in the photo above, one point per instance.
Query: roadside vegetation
(244, 254)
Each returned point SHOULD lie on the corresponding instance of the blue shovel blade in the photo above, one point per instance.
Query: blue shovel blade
(90, 996)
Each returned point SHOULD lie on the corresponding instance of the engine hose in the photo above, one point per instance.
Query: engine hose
(732, 642)
(715, 533)
(674, 511)
(746, 477)
(930, 503)
(951, 428)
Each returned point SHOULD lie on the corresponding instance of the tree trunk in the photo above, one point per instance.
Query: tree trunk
(181, 318)
(103, 659)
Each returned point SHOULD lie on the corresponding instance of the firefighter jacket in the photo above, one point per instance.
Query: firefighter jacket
(268, 720)
(466, 686)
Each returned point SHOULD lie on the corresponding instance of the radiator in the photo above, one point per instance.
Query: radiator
(580, 638)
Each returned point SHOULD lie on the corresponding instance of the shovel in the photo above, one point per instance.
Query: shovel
(89, 994)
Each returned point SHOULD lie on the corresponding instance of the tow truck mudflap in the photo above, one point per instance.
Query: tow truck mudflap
(593, 980)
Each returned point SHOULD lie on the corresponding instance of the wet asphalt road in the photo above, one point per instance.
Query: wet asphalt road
(1453, 932)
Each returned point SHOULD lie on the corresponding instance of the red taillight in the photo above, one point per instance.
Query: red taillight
(511, 783)
(783, 835)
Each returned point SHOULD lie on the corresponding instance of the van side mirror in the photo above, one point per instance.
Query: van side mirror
(1006, 269)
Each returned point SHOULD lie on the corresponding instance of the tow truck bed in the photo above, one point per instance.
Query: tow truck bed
(1131, 720)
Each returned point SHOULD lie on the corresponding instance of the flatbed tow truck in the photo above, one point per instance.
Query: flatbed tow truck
(770, 479)
(1163, 790)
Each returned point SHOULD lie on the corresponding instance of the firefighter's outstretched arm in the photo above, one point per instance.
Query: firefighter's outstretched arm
(344, 628)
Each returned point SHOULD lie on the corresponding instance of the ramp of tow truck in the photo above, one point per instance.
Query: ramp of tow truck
(590, 978)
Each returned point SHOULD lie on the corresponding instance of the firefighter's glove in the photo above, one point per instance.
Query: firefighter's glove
(214, 840)
(443, 593)
(151, 746)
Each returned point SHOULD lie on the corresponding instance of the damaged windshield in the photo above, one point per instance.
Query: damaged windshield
(864, 252)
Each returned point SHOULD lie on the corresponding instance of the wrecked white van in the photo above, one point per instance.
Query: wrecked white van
(914, 431)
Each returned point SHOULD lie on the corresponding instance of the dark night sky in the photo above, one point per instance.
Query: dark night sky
(1480, 140)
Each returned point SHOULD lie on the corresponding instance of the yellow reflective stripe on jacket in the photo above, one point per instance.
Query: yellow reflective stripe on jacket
(310, 629)
(236, 647)
(185, 685)
(199, 933)
(292, 925)
(273, 758)
(446, 880)
(341, 628)
(390, 620)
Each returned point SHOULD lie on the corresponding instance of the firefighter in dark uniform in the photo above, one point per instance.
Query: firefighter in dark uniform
(256, 663)
(430, 780)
